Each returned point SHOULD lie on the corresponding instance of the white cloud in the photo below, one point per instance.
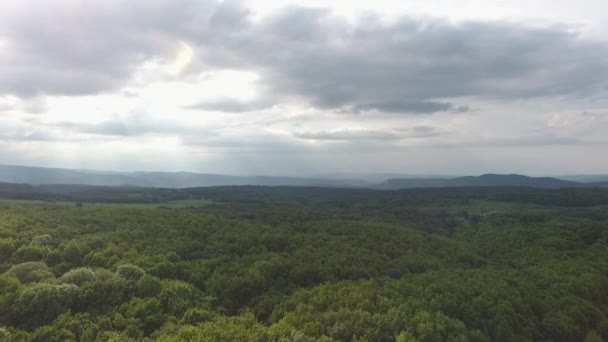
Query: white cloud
(268, 88)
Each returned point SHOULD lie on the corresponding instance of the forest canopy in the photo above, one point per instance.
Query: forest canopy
(308, 264)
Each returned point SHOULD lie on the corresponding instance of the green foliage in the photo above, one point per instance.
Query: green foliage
(177, 297)
(73, 253)
(31, 271)
(148, 286)
(43, 240)
(602, 328)
(5, 335)
(283, 264)
(7, 248)
(78, 276)
(40, 304)
(8, 284)
(104, 294)
(52, 334)
(147, 311)
(242, 328)
(30, 253)
(130, 272)
(593, 336)
(197, 315)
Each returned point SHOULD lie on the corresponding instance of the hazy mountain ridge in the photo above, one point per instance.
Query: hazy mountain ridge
(41, 175)
(485, 180)
(50, 176)
(586, 178)
(45, 176)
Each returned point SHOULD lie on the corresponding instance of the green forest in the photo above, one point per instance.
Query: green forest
(304, 264)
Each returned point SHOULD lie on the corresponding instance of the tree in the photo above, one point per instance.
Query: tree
(73, 253)
(147, 311)
(593, 336)
(43, 240)
(53, 334)
(7, 248)
(195, 316)
(78, 276)
(30, 253)
(178, 296)
(42, 303)
(130, 272)
(31, 271)
(148, 286)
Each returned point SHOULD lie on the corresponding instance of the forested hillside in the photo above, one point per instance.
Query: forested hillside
(483, 180)
(307, 264)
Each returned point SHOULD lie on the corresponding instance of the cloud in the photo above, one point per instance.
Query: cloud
(229, 105)
(310, 55)
(347, 135)
(109, 127)
(5, 107)
(133, 124)
(422, 131)
(65, 48)
(362, 134)
(413, 106)
(35, 105)
(256, 145)
(535, 140)
(129, 93)
(15, 130)
(27, 136)
(411, 65)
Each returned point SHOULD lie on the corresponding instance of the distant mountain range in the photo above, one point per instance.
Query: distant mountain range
(374, 178)
(45, 176)
(586, 178)
(42, 175)
(485, 180)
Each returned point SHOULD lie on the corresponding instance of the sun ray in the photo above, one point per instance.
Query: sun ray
(183, 59)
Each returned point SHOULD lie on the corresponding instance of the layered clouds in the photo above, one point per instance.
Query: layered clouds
(227, 87)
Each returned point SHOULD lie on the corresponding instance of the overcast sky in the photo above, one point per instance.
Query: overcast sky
(286, 88)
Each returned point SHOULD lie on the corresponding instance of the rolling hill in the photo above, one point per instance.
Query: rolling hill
(44, 176)
(180, 180)
(483, 180)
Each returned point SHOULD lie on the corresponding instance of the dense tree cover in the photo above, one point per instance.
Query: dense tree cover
(267, 266)
(425, 209)
(563, 197)
(332, 197)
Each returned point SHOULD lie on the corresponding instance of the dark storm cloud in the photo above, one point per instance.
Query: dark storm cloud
(409, 65)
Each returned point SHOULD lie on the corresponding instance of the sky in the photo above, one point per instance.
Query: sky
(294, 88)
